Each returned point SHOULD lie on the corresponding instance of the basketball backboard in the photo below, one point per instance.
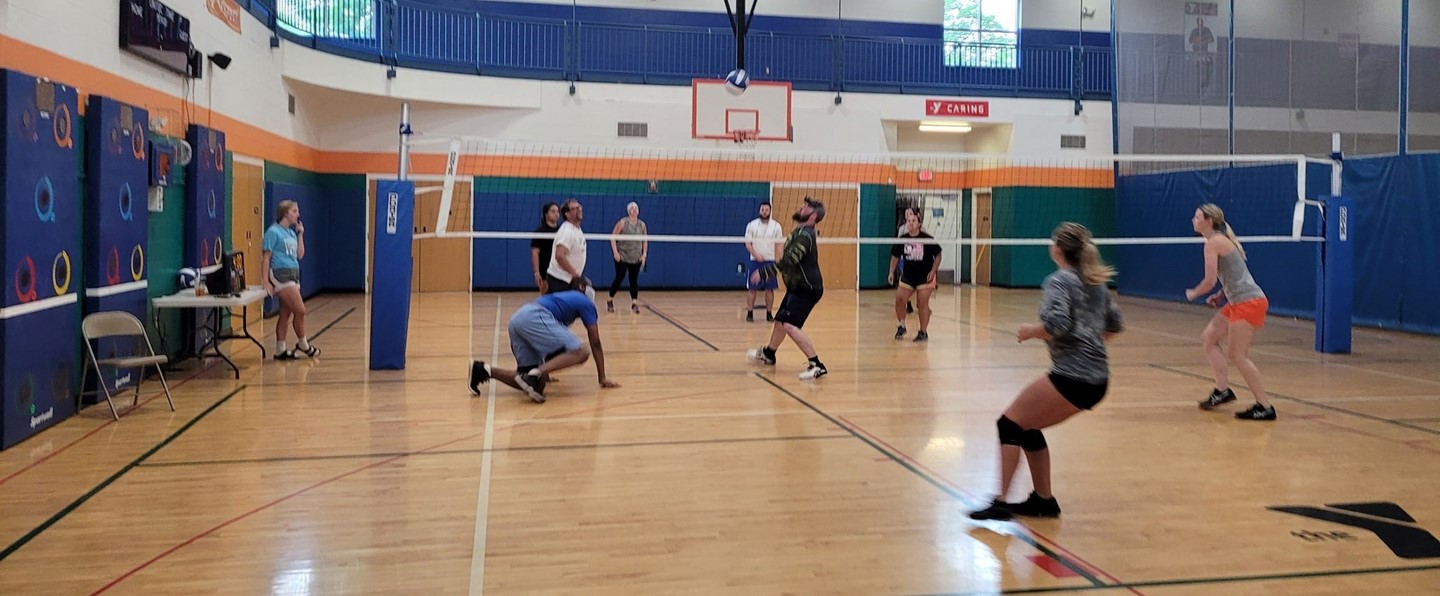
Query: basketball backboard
(717, 114)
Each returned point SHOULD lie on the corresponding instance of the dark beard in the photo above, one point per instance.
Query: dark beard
(799, 218)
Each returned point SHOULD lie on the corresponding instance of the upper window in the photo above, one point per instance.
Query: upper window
(982, 33)
(343, 19)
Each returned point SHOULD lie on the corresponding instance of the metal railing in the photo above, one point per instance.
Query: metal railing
(418, 35)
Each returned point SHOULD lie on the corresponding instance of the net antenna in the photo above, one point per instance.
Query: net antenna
(740, 25)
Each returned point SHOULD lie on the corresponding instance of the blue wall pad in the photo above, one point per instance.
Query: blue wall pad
(39, 332)
(393, 264)
(205, 204)
(116, 220)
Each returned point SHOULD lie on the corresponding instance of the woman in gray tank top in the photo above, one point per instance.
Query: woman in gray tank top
(1077, 316)
(1242, 314)
(630, 256)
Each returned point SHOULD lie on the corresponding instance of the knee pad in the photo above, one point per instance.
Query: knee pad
(1033, 440)
(1010, 433)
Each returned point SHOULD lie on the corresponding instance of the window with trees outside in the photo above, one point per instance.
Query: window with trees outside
(982, 33)
(340, 19)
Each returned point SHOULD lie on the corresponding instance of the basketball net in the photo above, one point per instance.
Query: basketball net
(746, 139)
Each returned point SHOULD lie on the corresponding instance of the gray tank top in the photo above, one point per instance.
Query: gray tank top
(1235, 279)
(630, 249)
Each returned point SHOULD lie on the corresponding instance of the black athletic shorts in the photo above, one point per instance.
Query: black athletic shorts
(796, 306)
(1082, 394)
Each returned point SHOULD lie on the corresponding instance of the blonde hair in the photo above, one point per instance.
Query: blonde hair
(1212, 212)
(283, 209)
(1081, 253)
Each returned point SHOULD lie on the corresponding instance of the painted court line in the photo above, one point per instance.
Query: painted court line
(482, 500)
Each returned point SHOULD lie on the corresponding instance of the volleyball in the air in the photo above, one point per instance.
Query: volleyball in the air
(188, 276)
(737, 81)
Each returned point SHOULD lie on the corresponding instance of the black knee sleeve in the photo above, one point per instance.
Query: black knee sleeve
(1010, 433)
(1033, 440)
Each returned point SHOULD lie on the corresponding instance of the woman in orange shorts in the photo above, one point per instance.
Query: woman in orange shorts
(1242, 314)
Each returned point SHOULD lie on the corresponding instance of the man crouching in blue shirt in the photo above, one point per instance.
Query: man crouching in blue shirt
(542, 343)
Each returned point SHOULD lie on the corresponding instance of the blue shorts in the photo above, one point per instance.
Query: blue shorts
(535, 336)
(765, 284)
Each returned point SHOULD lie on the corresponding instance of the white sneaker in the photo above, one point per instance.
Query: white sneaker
(813, 371)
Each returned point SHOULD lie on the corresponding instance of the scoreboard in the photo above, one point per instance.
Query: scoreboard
(157, 33)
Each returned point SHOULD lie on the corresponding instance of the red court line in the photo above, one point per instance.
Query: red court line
(947, 482)
(192, 376)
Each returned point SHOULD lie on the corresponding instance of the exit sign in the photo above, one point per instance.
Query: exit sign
(955, 107)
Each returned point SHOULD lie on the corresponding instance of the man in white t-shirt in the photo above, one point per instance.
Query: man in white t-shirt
(763, 238)
(567, 261)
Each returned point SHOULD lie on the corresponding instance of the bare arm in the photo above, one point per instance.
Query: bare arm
(562, 254)
(615, 248)
(894, 262)
(265, 272)
(644, 242)
(1212, 271)
(598, 353)
(299, 240)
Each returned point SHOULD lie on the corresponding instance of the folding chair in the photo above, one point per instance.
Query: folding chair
(103, 325)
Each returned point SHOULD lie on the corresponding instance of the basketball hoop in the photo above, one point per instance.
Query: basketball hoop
(745, 138)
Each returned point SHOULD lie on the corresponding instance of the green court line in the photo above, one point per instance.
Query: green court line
(54, 519)
(266, 460)
(1312, 404)
(1023, 536)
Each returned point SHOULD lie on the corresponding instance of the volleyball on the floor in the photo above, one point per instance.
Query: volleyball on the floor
(188, 276)
(737, 81)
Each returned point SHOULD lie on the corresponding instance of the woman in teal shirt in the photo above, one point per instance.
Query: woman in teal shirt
(283, 248)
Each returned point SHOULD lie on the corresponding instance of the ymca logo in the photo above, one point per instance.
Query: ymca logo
(1388, 521)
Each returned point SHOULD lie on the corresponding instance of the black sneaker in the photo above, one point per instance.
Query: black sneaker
(998, 510)
(533, 385)
(749, 316)
(286, 355)
(1257, 412)
(761, 355)
(922, 336)
(311, 352)
(609, 306)
(899, 332)
(813, 370)
(1217, 398)
(909, 308)
(479, 374)
(1037, 507)
(769, 318)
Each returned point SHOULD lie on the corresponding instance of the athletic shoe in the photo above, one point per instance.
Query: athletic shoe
(312, 351)
(899, 332)
(1218, 398)
(479, 375)
(533, 385)
(922, 336)
(749, 317)
(769, 318)
(998, 510)
(762, 356)
(609, 306)
(286, 355)
(813, 371)
(1257, 412)
(635, 308)
(1037, 507)
(909, 308)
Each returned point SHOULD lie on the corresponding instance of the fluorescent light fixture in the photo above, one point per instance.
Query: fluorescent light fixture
(945, 126)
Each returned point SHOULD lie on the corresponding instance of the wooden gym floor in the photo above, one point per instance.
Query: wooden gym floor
(705, 474)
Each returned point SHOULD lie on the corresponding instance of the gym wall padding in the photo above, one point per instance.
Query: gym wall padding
(343, 198)
(116, 219)
(513, 205)
(205, 198)
(1396, 226)
(1033, 212)
(41, 229)
(1258, 200)
(877, 219)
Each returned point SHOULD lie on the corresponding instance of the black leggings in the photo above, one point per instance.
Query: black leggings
(623, 269)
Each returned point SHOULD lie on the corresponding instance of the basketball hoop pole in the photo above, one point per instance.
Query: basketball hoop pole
(739, 25)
